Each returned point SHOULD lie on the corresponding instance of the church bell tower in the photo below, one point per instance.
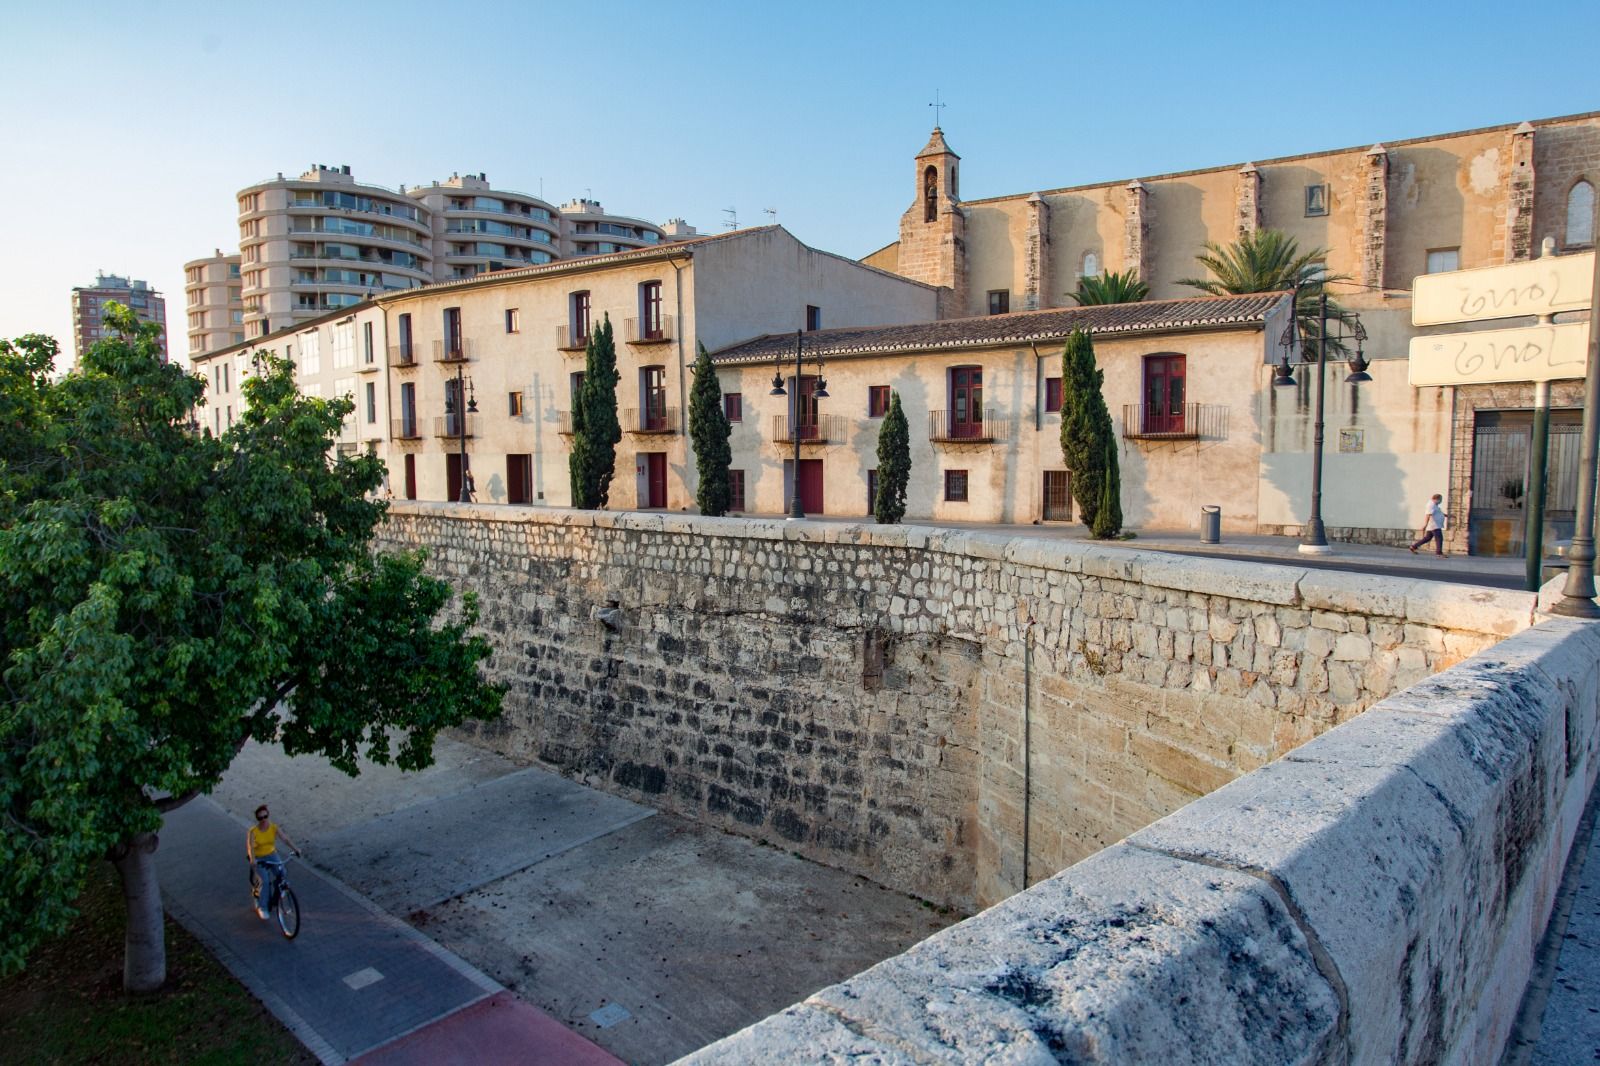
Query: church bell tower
(933, 231)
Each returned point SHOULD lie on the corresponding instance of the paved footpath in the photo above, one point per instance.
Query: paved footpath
(356, 982)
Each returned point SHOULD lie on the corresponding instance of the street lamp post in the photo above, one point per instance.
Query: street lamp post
(818, 393)
(1577, 597)
(451, 404)
(1314, 539)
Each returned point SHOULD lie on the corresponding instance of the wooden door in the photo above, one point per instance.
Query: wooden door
(803, 408)
(452, 477)
(519, 479)
(656, 479)
(411, 477)
(966, 401)
(811, 486)
(653, 394)
(1163, 393)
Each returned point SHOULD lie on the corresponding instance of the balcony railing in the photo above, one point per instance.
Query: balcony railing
(566, 341)
(402, 355)
(826, 429)
(1190, 421)
(650, 420)
(945, 428)
(456, 350)
(450, 426)
(639, 331)
(565, 427)
(406, 429)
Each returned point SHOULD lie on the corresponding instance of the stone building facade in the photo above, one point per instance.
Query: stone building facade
(1384, 214)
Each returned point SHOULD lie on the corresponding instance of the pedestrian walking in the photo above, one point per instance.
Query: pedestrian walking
(1433, 521)
(471, 486)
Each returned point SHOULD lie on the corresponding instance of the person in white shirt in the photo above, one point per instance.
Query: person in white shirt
(1432, 527)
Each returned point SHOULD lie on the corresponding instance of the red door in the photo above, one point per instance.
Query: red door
(653, 393)
(411, 477)
(966, 401)
(810, 485)
(656, 478)
(1163, 393)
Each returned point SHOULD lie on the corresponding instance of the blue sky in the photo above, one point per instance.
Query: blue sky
(125, 131)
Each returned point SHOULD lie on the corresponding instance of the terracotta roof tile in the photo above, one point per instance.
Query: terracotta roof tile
(1149, 316)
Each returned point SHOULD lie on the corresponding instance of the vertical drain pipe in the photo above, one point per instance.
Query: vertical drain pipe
(1027, 744)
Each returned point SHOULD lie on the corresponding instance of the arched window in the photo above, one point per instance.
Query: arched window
(930, 194)
(1091, 265)
(1580, 214)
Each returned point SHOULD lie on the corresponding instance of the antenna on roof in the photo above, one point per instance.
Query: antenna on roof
(732, 221)
(772, 215)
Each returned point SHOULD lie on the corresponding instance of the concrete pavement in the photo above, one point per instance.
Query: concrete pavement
(355, 979)
(646, 933)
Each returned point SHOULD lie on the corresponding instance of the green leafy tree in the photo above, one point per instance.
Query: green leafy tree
(894, 464)
(1089, 440)
(709, 430)
(595, 429)
(1110, 287)
(1270, 260)
(168, 595)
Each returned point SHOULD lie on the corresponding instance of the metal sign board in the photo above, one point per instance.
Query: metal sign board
(1537, 287)
(1530, 353)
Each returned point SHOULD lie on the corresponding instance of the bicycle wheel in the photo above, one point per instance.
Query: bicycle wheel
(288, 911)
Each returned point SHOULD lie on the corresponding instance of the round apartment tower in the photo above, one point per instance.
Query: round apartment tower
(322, 241)
(477, 228)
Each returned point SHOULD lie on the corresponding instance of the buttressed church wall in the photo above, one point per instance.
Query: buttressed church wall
(913, 705)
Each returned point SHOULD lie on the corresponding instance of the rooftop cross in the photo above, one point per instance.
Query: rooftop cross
(937, 107)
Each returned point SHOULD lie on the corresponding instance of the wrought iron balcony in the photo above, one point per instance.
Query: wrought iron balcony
(650, 420)
(643, 331)
(405, 429)
(565, 427)
(1189, 421)
(403, 356)
(456, 350)
(945, 428)
(825, 429)
(451, 427)
(567, 341)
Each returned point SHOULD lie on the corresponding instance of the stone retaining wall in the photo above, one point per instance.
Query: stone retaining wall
(953, 714)
(1373, 897)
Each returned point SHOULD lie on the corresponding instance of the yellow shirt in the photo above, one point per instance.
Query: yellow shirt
(264, 842)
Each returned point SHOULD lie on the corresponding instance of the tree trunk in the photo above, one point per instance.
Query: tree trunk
(144, 961)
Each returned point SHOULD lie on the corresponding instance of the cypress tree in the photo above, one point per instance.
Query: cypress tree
(595, 429)
(709, 430)
(1089, 440)
(894, 464)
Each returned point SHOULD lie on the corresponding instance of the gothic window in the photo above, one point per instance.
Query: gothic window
(1580, 215)
(1091, 265)
(930, 194)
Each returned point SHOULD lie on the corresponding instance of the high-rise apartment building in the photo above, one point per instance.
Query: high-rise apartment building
(323, 241)
(89, 304)
(214, 294)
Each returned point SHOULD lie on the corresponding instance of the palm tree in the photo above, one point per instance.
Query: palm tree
(1110, 287)
(1270, 260)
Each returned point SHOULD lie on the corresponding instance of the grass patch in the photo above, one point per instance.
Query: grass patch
(68, 1005)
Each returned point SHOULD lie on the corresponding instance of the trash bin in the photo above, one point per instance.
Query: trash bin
(1210, 524)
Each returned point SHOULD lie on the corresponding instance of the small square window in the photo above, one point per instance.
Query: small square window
(999, 301)
(1052, 394)
(733, 406)
(512, 321)
(736, 490)
(877, 401)
(515, 404)
(955, 486)
(1441, 260)
(1316, 200)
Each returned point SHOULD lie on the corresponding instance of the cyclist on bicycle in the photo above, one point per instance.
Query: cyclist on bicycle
(261, 849)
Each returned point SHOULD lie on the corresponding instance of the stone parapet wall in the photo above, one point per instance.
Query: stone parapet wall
(1374, 897)
(953, 714)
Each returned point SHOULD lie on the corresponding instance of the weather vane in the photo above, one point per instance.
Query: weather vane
(937, 107)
